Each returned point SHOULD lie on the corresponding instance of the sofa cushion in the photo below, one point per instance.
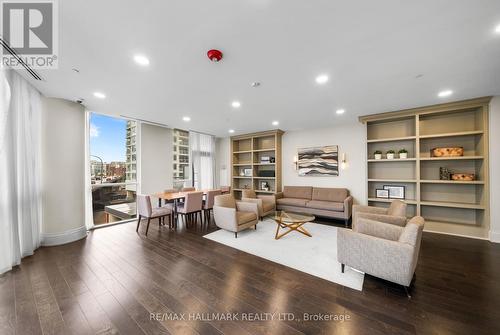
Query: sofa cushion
(327, 205)
(298, 192)
(244, 217)
(292, 202)
(330, 194)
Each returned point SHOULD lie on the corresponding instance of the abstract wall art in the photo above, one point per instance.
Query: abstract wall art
(319, 161)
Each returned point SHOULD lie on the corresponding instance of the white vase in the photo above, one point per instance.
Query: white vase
(403, 155)
(390, 156)
(378, 156)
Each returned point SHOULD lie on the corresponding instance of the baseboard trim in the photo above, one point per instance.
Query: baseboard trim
(495, 237)
(68, 236)
(457, 235)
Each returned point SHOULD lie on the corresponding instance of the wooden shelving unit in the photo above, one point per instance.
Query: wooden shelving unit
(454, 207)
(247, 152)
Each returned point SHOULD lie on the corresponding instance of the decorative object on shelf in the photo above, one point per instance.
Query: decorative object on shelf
(264, 186)
(403, 153)
(390, 154)
(447, 152)
(266, 173)
(272, 160)
(377, 154)
(463, 176)
(444, 173)
(395, 191)
(246, 186)
(242, 173)
(247, 172)
(265, 159)
(343, 162)
(319, 161)
(380, 193)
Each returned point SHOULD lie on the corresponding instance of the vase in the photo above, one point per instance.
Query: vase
(378, 156)
(403, 155)
(390, 156)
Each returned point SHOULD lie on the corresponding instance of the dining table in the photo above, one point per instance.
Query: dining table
(175, 197)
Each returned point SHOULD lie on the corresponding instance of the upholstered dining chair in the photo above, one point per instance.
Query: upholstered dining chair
(209, 205)
(191, 207)
(265, 203)
(225, 189)
(188, 189)
(146, 211)
(233, 215)
(395, 214)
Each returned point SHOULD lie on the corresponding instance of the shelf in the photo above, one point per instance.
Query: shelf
(452, 204)
(393, 180)
(262, 191)
(384, 160)
(241, 177)
(242, 164)
(474, 182)
(451, 158)
(406, 138)
(264, 150)
(461, 133)
(243, 152)
(264, 163)
(264, 178)
(408, 201)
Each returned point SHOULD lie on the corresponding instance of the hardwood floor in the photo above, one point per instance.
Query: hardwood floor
(112, 281)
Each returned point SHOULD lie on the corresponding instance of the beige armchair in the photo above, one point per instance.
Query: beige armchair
(235, 216)
(395, 214)
(265, 203)
(382, 250)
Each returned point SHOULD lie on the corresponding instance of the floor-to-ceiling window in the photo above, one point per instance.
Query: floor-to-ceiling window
(202, 148)
(181, 159)
(113, 151)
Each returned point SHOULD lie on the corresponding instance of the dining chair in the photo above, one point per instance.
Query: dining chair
(188, 189)
(225, 189)
(191, 207)
(146, 211)
(209, 205)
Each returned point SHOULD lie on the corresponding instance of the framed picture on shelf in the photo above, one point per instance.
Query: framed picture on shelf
(395, 191)
(247, 172)
(380, 193)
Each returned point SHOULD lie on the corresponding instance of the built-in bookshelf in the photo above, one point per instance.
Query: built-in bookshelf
(454, 207)
(256, 161)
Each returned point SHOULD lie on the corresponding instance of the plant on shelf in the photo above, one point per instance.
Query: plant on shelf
(390, 154)
(378, 154)
(403, 153)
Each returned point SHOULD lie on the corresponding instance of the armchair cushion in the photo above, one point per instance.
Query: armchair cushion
(378, 229)
(247, 207)
(397, 208)
(268, 206)
(244, 217)
(395, 220)
(249, 194)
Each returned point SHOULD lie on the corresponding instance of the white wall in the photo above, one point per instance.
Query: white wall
(495, 169)
(63, 171)
(222, 162)
(156, 158)
(351, 140)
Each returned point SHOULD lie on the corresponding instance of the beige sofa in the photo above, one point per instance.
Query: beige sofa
(320, 201)
(382, 250)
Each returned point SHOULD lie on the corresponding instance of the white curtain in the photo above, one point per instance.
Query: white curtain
(89, 214)
(202, 148)
(20, 147)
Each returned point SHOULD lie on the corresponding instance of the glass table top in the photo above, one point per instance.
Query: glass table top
(292, 217)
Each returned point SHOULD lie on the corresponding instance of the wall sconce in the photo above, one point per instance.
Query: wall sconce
(343, 162)
(296, 162)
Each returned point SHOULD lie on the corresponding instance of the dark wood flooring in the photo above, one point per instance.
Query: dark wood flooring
(110, 282)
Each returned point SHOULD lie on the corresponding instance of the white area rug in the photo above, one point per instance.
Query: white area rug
(316, 255)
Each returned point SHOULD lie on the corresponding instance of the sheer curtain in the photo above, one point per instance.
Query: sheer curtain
(202, 148)
(20, 194)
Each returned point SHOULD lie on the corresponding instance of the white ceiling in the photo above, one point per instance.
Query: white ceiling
(372, 51)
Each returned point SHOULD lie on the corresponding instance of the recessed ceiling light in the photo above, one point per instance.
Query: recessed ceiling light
(231, 131)
(322, 79)
(275, 123)
(141, 60)
(340, 111)
(255, 84)
(445, 93)
(99, 95)
(186, 118)
(497, 29)
(236, 104)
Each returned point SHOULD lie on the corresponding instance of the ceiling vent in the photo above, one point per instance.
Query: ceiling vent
(31, 72)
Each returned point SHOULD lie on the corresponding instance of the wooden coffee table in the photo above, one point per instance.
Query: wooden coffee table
(292, 221)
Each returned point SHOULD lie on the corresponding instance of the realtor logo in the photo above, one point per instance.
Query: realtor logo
(29, 28)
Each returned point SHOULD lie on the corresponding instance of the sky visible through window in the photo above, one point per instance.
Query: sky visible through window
(107, 138)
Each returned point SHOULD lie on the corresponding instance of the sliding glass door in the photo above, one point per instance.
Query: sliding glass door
(113, 160)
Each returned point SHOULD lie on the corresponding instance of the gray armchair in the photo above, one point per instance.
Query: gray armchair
(235, 216)
(395, 214)
(265, 203)
(382, 250)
